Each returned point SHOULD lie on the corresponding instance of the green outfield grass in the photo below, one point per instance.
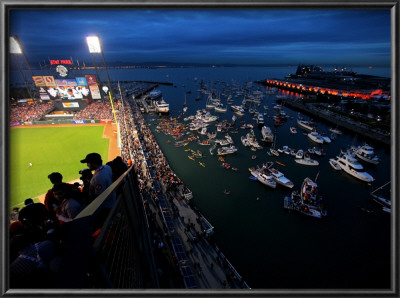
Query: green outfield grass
(49, 149)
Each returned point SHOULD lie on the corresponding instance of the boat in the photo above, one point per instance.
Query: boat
(315, 137)
(251, 137)
(187, 194)
(307, 161)
(155, 94)
(226, 150)
(185, 105)
(202, 164)
(245, 141)
(385, 203)
(220, 108)
(204, 143)
(366, 153)
(334, 164)
(253, 157)
(351, 166)
(279, 177)
(263, 177)
(260, 119)
(307, 201)
(325, 138)
(308, 125)
(267, 135)
(335, 131)
(161, 106)
(293, 130)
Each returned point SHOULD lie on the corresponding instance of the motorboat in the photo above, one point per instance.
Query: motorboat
(335, 131)
(280, 177)
(220, 108)
(263, 177)
(226, 150)
(245, 141)
(155, 94)
(351, 166)
(299, 153)
(308, 125)
(293, 130)
(315, 137)
(325, 138)
(307, 161)
(161, 106)
(260, 119)
(334, 164)
(273, 151)
(267, 135)
(366, 153)
(252, 140)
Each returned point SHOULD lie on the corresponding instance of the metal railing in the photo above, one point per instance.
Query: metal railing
(110, 248)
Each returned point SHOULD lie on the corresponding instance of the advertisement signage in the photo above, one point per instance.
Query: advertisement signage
(66, 82)
(81, 81)
(49, 81)
(43, 94)
(70, 105)
(91, 79)
(94, 89)
(39, 81)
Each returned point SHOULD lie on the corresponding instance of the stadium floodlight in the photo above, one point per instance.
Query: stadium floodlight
(15, 47)
(93, 44)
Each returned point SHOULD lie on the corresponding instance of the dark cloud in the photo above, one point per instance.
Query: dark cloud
(198, 35)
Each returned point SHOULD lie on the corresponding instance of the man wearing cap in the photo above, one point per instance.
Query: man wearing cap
(102, 178)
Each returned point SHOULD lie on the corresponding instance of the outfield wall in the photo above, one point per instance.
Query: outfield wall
(63, 121)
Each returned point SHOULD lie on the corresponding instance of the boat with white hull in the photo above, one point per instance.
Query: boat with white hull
(366, 153)
(280, 177)
(308, 125)
(261, 176)
(267, 135)
(315, 137)
(351, 166)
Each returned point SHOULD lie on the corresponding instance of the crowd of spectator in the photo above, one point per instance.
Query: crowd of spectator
(29, 112)
(95, 110)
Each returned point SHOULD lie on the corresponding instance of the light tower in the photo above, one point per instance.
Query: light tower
(99, 63)
(23, 65)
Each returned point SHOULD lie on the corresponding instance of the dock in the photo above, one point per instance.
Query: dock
(341, 121)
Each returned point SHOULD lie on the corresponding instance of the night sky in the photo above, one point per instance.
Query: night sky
(234, 36)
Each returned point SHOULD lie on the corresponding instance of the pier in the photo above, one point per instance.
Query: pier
(341, 121)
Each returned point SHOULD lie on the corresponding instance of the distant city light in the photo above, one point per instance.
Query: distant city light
(15, 47)
(93, 44)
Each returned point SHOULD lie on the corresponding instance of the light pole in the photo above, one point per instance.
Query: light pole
(22, 64)
(96, 52)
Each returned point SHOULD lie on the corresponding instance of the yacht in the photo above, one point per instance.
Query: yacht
(307, 161)
(263, 177)
(220, 108)
(306, 124)
(161, 106)
(226, 150)
(155, 94)
(252, 140)
(267, 134)
(366, 153)
(316, 137)
(280, 177)
(351, 166)
(245, 141)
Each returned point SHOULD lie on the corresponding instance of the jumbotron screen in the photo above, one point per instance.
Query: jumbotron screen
(66, 89)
